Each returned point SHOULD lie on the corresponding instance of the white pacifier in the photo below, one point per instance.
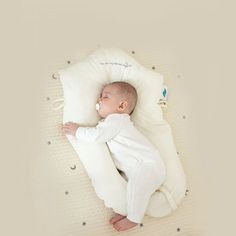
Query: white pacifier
(97, 106)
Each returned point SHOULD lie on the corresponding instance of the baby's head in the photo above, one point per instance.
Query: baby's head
(117, 97)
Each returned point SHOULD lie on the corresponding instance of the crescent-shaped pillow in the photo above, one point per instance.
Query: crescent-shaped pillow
(82, 83)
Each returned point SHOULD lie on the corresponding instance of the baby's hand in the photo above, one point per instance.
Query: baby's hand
(70, 128)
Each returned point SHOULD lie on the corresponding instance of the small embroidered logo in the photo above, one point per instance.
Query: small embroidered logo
(116, 63)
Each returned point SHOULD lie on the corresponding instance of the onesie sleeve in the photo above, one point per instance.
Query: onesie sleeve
(103, 132)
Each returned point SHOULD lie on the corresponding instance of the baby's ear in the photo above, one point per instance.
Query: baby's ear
(123, 105)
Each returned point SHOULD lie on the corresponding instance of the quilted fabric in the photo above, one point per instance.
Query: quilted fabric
(82, 83)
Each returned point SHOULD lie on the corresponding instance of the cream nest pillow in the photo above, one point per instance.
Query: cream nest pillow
(82, 84)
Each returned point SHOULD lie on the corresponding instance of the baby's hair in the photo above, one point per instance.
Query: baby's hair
(130, 92)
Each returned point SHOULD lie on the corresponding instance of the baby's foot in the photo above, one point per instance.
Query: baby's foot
(124, 224)
(116, 218)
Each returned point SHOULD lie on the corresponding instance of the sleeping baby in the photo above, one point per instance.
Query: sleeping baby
(133, 154)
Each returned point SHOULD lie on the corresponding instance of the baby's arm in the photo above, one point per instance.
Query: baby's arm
(101, 133)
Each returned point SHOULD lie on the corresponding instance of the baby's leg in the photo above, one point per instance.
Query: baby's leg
(143, 181)
(145, 178)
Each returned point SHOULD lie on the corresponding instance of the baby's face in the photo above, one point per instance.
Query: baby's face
(109, 101)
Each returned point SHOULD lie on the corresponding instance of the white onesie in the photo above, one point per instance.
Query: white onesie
(134, 155)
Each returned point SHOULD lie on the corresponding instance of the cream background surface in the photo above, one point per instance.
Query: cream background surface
(190, 42)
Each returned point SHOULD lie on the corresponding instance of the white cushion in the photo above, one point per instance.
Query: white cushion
(82, 84)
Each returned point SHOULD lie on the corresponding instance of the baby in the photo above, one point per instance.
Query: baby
(133, 154)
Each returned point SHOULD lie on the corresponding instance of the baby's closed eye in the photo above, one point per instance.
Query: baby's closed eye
(104, 97)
